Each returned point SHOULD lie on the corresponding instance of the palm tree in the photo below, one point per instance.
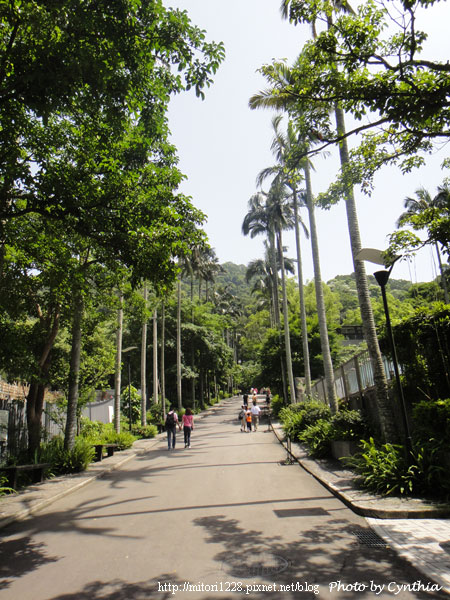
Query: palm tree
(283, 145)
(179, 388)
(269, 214)
(144, 359)
(416, 206)
(256, 222)
(280, 212)
(118, 369)
(271, 99)
(362, 286)
(260, 273)
(288, 103)
(208, 268)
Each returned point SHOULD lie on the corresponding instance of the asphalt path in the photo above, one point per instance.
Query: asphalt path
(222, 519)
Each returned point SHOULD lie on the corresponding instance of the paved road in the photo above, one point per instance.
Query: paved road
(224, 517)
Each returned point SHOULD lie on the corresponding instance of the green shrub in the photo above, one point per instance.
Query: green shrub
(295, 418)
(104, 433)
(155, 413)
(383, 470)
(318, 438)
(431, 477)
(291, 422)
(145, 431)
(348, 425)
(314, 411)
(91, 429)
(4, 489)
(67, 461)
(277, 404)
(431, 419)
(124, 439)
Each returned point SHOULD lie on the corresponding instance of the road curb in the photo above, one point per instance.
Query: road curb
(361, 506)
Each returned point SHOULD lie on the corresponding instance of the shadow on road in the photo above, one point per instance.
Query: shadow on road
(322, 555)
(20, 556)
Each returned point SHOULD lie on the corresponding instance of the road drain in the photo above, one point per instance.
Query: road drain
(370, 538)
(300, 512)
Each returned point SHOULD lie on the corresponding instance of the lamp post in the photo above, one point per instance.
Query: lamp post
(382, 277)
(129, 349)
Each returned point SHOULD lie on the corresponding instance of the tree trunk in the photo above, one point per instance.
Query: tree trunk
(155, 358)
(74, 373)
(287, 339)
(35, 406)
(144, 361)
(276, 308)
(368, 322)
(301, 292)
(179, 397)
(118, 373)
(321, 313)
(36, 393)
(443, 280)
(162, 366)
(201, 390)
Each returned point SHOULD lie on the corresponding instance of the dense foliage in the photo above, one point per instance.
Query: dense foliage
(88, 184)
(382, 468)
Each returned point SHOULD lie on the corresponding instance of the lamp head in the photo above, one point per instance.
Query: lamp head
(382, 277)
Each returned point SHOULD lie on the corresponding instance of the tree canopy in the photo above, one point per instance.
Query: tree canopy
(368, 61)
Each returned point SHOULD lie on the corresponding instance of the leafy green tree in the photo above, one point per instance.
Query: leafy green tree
(112, 61)
(89, 168)
(371, 65)
(431, 214)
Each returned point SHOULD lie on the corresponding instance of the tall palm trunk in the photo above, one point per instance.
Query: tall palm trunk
(74, 372)
(321, 313)
(155, 357)
(301, 292)
(179, 397)
(287, 338)
(276, 307)
(368, 322)
(118, 374)
(144, 361)
(162, 359)
(443, 280)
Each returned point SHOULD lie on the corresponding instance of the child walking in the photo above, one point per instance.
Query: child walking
(188, 426)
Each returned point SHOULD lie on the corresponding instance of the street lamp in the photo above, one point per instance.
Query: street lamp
(382, 277)
(129, 349)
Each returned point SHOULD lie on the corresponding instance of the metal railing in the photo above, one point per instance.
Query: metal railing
(353, 377)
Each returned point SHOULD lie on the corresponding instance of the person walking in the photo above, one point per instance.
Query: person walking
(248, 420)
(245, 399)
(242, 415)
(188, 426)
(171, 428)
(255, 410)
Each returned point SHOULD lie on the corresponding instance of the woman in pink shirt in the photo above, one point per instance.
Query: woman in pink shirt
(188, 426)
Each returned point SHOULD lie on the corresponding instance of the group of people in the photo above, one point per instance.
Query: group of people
(172, 422)
(249, 415)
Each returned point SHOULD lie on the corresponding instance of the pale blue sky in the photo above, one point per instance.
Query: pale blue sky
(223, 145)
